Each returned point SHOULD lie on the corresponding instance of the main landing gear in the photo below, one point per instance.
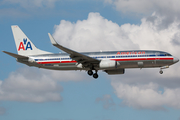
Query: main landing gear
(90, 73)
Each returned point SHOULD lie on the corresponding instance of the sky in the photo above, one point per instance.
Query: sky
(29, 93)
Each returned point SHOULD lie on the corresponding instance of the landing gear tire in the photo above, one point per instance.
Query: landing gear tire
(90, 72)
(161, 72)
(95, 75)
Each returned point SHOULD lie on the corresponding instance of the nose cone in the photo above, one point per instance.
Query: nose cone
(175, 60)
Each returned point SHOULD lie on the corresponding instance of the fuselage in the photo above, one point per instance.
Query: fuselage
(125, 59)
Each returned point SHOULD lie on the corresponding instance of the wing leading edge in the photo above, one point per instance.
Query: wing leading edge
(80, 58)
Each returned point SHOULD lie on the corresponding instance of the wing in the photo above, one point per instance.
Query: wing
(80, 58)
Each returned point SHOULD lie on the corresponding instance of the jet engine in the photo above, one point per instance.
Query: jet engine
(115, 71)
(106, 64)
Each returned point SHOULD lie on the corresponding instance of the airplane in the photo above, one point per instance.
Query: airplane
(111, 62)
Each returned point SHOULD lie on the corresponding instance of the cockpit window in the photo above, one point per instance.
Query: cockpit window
(167, 54)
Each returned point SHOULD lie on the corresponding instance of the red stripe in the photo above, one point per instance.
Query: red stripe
(166, 58)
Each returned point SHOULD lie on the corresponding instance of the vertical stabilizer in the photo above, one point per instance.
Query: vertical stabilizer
(23, 43)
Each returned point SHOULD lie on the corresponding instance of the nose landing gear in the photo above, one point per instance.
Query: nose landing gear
(161, 72)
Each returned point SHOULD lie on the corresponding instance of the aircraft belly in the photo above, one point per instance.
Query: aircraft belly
(163, 62)
(61, 66)
(144, 64)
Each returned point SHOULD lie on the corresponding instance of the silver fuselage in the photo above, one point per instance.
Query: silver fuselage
(126, 59)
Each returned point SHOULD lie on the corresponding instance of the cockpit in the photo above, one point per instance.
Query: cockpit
(167, 54)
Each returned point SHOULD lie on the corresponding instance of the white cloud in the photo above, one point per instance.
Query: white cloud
(147, 96)
(98, 33)
(94, 34)
(146, 89)
(145, 6)
(29, 85)
(36, 85)
(167, 9)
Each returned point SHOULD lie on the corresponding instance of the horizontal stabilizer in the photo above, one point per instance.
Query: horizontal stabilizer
(16, 55)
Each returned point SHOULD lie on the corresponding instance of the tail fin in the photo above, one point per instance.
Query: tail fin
(23, 44)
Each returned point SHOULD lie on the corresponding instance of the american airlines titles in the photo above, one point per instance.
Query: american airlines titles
(130, 53)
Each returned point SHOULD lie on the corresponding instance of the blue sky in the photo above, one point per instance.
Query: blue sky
(28, 93)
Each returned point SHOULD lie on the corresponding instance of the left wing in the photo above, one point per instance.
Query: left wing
(80, 58)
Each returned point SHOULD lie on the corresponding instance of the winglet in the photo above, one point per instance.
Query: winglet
(52, 39)
(59, 46)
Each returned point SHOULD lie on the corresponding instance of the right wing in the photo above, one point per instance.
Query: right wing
(80, 58)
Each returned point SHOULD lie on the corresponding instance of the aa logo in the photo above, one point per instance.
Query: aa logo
(24, 45)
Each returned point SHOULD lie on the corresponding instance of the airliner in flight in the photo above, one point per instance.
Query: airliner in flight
(111, 62)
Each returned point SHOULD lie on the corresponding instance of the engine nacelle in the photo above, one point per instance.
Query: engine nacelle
(106, 64)
(79, 65)
(115, 71)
